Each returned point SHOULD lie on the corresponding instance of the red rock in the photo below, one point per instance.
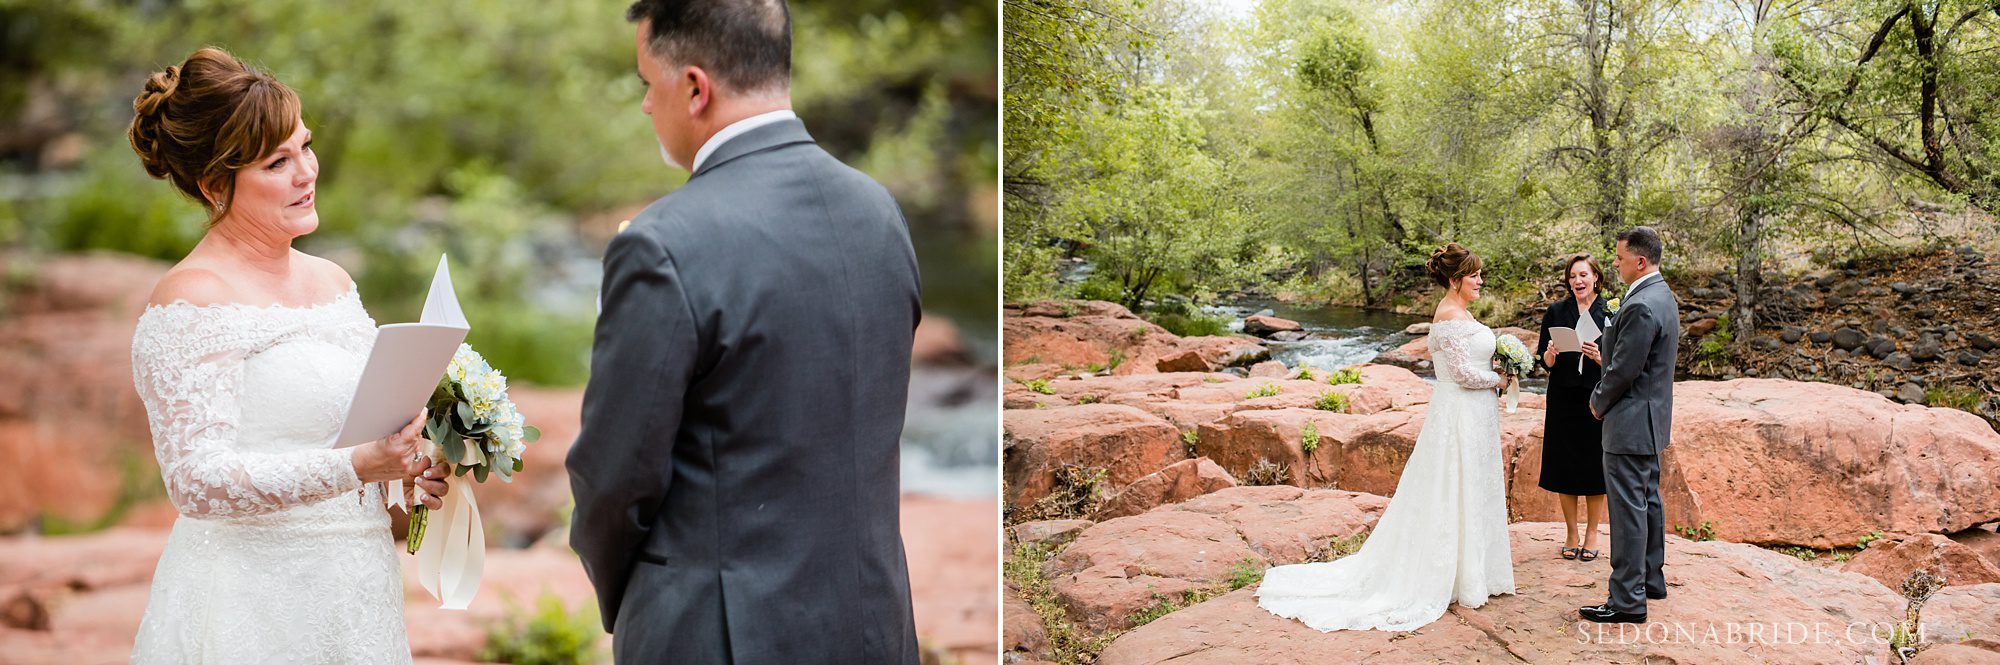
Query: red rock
(1126, 442)
(952, 547)
(1982, 540)
(937, 342)
(1363, 453)
(1969, 652)
(1054, 533)
(1178, 482)
(1890, 561)
(1022, 632)
(1714, 586)
(1121, 566)
(1185, 361)
(1082, 334)
(1819, 465)
(1269, 369)
(1264, 326)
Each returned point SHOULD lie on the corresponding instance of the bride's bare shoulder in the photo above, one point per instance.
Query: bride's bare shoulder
(1450, 314)
(193, 285)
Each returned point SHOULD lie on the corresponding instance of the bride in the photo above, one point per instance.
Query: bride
(1444, 534)
(246, 359)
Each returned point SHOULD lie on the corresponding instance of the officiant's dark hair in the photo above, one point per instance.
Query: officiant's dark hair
(1643, 241)
(1452, 261)
(745, 44)
(1583, 257)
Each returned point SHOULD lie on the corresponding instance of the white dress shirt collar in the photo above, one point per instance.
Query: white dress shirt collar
(1641, 280)
(736, 129)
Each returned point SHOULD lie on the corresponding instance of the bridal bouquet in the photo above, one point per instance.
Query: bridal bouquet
(1515, 361)
(473, 427)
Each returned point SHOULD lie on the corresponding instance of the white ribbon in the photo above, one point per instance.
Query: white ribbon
(452, 558)
(1513, 394)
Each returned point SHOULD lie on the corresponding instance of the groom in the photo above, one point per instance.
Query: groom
(736, 476)
(1635, 399)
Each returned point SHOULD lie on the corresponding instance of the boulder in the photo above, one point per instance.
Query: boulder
(1178, 482)
(1118, 567)
(1719, 592)
(1125, 442)
(1265, 326)
(1890, 561)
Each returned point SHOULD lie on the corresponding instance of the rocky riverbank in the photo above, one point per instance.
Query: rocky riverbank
(1118, 459)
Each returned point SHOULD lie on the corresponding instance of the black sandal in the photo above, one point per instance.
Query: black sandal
(1586, 555)
(1570, 553)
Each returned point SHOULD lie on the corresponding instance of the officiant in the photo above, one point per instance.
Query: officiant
(1572, 449)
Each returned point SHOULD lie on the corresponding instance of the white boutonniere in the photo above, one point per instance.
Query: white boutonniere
(1610, 309)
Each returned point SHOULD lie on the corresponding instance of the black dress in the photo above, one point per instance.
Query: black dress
(1572, 443)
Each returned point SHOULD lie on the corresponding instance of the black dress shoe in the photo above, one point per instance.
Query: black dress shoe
(1604, 614)
(1661, 595)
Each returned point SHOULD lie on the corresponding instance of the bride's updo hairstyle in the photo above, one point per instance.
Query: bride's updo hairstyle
(198, 123)
(1451, 262)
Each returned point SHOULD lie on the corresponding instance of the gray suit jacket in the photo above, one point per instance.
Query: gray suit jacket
(1636, 394)
(736, 477)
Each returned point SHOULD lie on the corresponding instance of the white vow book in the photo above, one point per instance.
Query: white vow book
(1571, 340)
(404, 368)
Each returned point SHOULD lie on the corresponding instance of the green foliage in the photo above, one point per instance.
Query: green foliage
(1331, 400)
(138, 483)
(1262, 390)
(1344, 375)
(1872, 536)
(1706, 531)
(1304, 373)
(1309, 437)
(1963, 398)
(551, 635)
(1245, 573)
(1024, 573)
(1188, 440)
(1089, 399)
(1338, 547)
(1191, 325)
(1039, 385)
(1713, 350)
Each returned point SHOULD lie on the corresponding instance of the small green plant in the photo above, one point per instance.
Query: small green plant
(1039, 385)
(1802, 553)
(1865, 540)
(1265, 390)
(1118, 355)
(1842, 557)
(1713, 351)
(1305, 373)
(1067, 642)
(1963, 398)
(1344, 375)
(1245, 573)
(1188, 440)
(1309, 438)
(1697, 533)
(551, 635)
(1331, 401)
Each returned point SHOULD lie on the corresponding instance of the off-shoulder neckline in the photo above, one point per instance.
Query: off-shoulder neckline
(1471, 321)
(353, 291)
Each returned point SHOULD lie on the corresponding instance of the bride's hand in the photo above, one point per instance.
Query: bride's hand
(389, 458)
(429, 479)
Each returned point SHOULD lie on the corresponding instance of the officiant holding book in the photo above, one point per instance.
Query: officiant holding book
(1572, 448)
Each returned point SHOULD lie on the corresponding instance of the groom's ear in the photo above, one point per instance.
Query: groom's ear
(701, 89)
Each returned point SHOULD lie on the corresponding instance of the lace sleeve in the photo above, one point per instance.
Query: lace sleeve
(1453, 357)
(189, 371)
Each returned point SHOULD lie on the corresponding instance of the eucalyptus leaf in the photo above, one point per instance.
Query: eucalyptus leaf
(530, 434)
(480, 472)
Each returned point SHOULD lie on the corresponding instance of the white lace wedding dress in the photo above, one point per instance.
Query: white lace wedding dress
(280, 554)
(1444, 534)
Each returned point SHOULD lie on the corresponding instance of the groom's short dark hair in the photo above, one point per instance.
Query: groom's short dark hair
(745, 44)
(1643, 241)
